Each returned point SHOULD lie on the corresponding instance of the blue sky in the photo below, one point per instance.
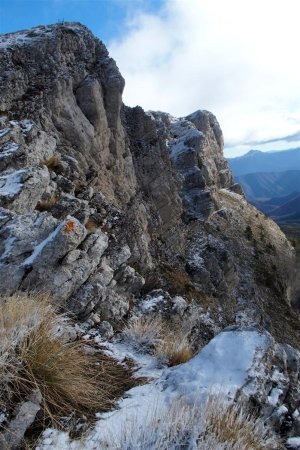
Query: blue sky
(106, 18)
(234, 58)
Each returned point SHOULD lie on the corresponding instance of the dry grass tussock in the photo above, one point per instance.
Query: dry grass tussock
(46, 205)
(91, 225)
(34, 355)
(179, 283)
(155, 336)
(176, 281)
(52, 162)
(233, 424)
(214, 425)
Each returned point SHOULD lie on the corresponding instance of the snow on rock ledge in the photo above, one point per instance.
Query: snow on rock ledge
(245, 364)
(20, 190)
(223, 366)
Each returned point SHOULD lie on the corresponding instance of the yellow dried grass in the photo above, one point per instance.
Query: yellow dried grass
(154, 335)
(34, 355)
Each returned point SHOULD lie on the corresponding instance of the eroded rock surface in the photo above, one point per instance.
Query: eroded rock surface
(90, 188)
(101, 204)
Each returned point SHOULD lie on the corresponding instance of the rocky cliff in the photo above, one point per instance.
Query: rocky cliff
(102, 203)
(98, 197)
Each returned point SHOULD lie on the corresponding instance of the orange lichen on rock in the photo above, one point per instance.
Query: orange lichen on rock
(70, 226)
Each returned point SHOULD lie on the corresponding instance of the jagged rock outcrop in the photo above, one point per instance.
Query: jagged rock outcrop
(92, 191)
(101, 203)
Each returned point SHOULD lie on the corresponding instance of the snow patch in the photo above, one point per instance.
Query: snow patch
(4, 132)
(8, 149)
(11, 184)
(39, 248)
(221, 367)
(138, 403)
(19, 37)
(278, 376)
(149, 304)
(295, 414)
(294, 442)
(147, 364)
(281, 410)
(273, 398)
(26, 125)
(182, 131)
(142, 400)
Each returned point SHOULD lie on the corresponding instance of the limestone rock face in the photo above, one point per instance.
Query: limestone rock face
(102, 204)
(75, 95)
(62, 144)
(21, 189)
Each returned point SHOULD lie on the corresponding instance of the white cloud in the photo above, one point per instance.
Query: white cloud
(238, 59)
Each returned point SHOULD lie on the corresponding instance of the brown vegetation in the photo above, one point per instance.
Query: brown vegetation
(206, 426)
(177, 282)
(53, 162)
(46, 205)
(91, 225)
(33, 355)
(154, 335)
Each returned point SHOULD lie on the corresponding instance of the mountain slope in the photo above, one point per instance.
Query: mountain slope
(266, 185)
(287, 208)
(267, 206)
(257, 161)
(288, 212)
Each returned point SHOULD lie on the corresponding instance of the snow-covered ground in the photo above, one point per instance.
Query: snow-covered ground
(222, 367)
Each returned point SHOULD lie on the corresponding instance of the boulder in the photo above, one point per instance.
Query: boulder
(23, 419)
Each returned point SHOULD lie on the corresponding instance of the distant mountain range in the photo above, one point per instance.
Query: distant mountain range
(257, 161)
(271, 182)
(265, 185)
(282, 209)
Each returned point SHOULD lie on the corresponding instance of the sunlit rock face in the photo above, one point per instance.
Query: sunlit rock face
(102, 203)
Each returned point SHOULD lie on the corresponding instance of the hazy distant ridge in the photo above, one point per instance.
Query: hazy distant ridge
(257, 161)
(264, 185)
(271, 182)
